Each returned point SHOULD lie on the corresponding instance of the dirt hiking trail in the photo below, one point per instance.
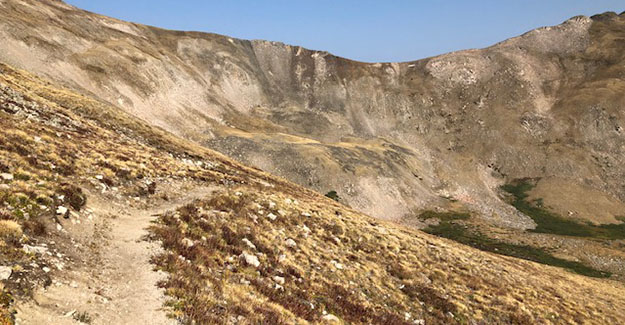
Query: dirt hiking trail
(108, 278)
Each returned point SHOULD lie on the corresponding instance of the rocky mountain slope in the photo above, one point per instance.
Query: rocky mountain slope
(80, 180)
(516, 149)
(412, 135)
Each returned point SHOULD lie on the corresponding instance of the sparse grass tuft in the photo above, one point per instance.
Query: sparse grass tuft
(74, 196)
(10, 231)
(83, 317)
(35, 226)
(6, 315)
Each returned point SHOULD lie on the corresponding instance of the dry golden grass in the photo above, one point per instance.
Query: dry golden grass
(354, 267)
(10, 230)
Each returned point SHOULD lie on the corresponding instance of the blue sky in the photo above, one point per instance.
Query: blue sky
(364, 30)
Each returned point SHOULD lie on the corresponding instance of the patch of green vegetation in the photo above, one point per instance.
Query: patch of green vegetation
(551, 223)
(444, 216)
(22, 205)
(83, 317)
(449, 228)
(7, 315)
(333, 195)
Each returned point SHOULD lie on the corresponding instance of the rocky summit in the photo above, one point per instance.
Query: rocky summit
(137, 178)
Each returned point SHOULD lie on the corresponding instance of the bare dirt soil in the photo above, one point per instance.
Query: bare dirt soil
(115, 283)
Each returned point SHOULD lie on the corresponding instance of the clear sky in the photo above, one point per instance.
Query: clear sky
(365, 30)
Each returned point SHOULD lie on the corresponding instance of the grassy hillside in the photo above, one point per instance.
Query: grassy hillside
(56, 144)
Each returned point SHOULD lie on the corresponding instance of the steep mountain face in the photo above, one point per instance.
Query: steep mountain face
(440, 132)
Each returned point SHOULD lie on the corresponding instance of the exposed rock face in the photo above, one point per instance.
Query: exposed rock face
(390, 138)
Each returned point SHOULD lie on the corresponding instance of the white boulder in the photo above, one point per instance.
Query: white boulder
(250, 259)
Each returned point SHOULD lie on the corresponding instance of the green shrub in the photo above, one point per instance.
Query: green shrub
(83, 317)
(333, 195)
(74, 196)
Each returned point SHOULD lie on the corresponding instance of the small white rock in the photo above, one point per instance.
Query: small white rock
(330, 318)
(34, 249)
(7, 176)
(61, 210)
(281, 258)
(337, 265)
(249, 243)
(99, 177)
(272, 216)
(253, 217)
(188, 243)
(251, 259)
(5, 272)
(279, 279)
(290, 243)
